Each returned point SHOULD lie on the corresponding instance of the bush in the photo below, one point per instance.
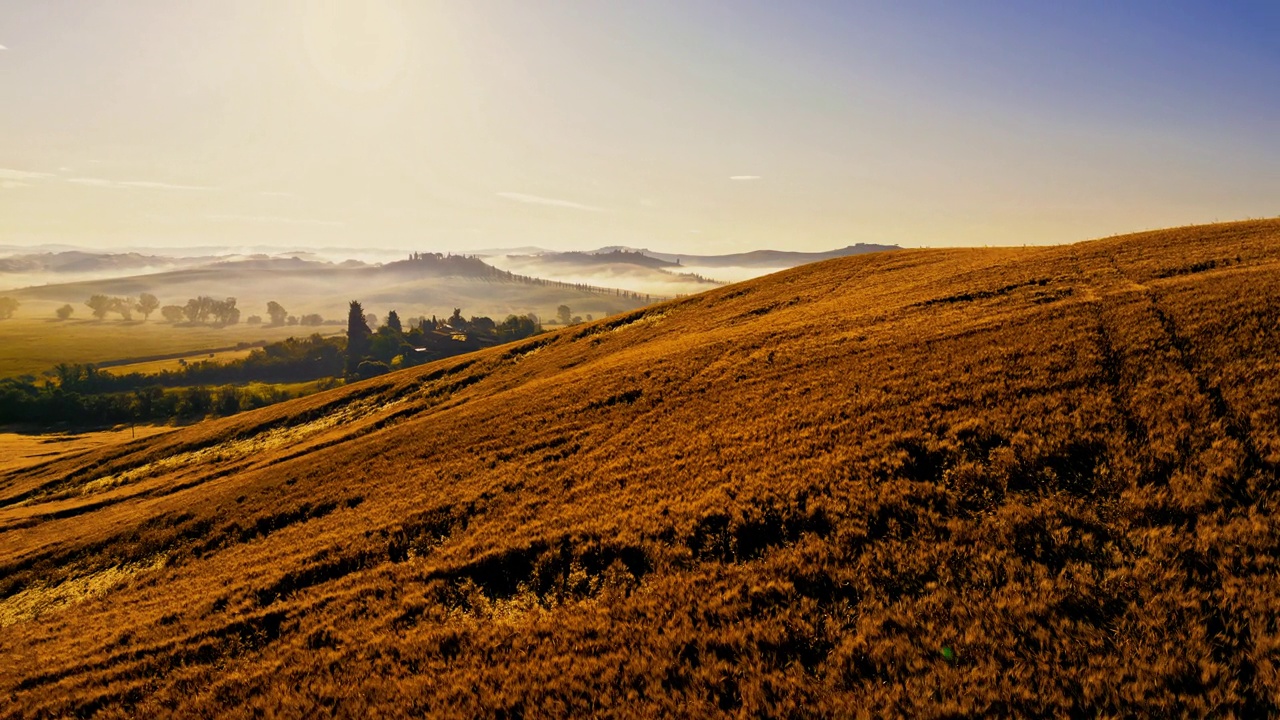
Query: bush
(371, 368)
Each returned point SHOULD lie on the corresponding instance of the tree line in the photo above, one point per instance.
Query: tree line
(84, 394)
(200, 310)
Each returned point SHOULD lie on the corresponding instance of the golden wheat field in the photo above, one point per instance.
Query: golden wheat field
(933, 483)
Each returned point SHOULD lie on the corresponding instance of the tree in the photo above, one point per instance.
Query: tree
(224, 311)
(393, 321)
(371, 368)
(100, 305)
(172, 313)
(516, 327)
(147, 304)
(564, 314)
(254, 320)
(65, 311)
(312, 319)
(456, 321)
(7, 306)
(124, 306)
(196, 309)
(277, 313)
(371, 320)
(358, 337)
(385, 345)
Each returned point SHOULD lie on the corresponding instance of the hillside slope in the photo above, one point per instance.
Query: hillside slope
(980, 482)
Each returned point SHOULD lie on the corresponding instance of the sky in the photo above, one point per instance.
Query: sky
(688, 126)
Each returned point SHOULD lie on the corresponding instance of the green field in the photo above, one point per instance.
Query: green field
(155, 367)
(33, 345)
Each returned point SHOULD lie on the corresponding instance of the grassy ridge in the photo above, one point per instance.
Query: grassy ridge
(950, 482)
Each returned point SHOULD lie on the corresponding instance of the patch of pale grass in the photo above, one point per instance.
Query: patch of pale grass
(262, 443)
(35, 602)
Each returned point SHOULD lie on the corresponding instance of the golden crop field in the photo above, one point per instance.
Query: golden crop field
(22, 450)
(155, 367)
(933, 483)
(30, 346)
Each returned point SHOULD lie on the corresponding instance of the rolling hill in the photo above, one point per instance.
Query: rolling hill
(431, 285)
(768, 259)
(936, 483)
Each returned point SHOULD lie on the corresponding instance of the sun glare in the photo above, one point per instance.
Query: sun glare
(356, 47)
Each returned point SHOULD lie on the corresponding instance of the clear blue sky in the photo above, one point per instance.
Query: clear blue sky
(694, 126)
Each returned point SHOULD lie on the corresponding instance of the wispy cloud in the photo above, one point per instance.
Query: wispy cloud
(3, 47)
(276, 193)
(160, 186)
(273, 220)
(537, 200)
(97, 182)
(10, 184)
(7, 174)
(744, 177)
(140, 184)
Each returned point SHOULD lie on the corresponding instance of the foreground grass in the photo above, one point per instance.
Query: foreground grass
(951, 483)
(24, 449)
(32, 346)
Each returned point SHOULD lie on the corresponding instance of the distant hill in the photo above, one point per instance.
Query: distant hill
(429, 283)
(612, 257)
(619, 268)
(773, 259)
(769, 258)
(930, 483)
(75, 261)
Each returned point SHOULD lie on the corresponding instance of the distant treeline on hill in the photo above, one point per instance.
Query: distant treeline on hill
(472, 266)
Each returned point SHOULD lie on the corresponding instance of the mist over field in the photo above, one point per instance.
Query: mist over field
(663, 282)
(322, 280)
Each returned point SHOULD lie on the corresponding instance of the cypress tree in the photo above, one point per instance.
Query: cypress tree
(358, 337)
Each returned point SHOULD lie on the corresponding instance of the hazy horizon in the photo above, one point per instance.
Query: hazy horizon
(698, 128)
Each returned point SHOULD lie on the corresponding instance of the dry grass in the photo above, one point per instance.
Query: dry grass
(20, 450)
(926, 483)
